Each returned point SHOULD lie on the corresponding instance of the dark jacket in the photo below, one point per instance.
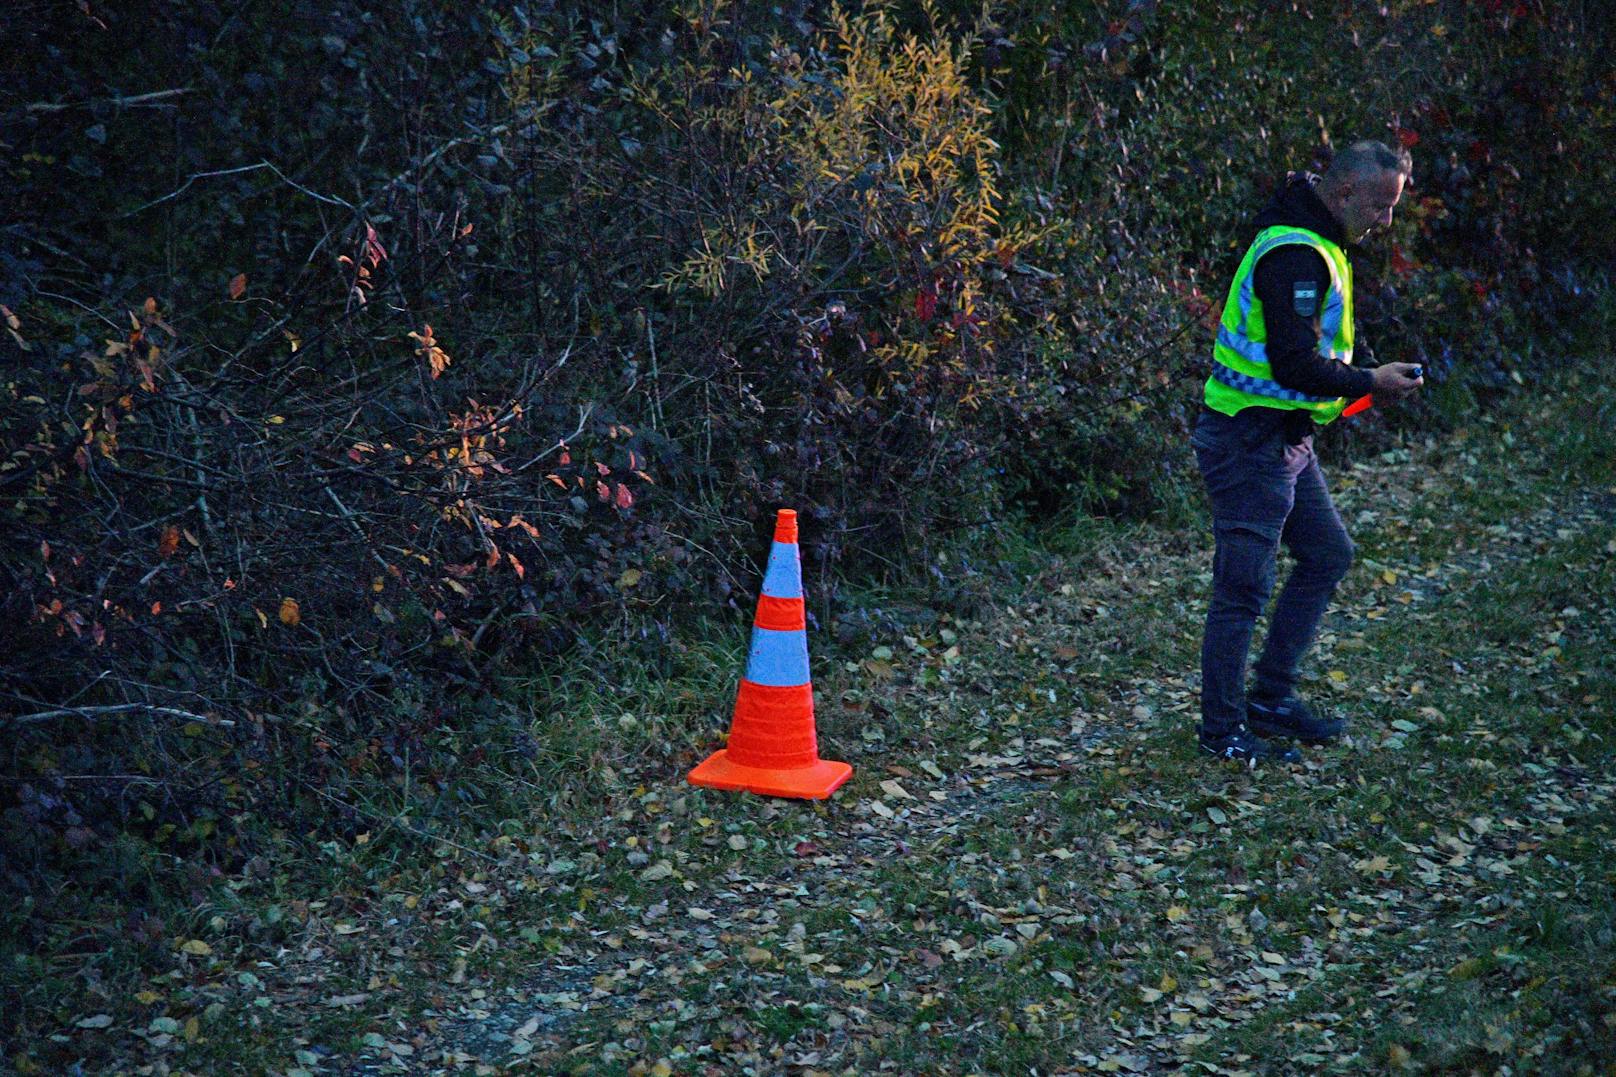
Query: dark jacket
(1293, 343)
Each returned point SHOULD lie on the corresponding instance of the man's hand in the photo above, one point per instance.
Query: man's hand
(1396, 379)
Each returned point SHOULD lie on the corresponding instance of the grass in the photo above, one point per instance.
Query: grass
(1054, 879)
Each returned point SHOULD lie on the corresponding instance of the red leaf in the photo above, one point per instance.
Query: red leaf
(625, 499)
(1401, 265)
(169, 542)
(602, 490)
(1407, 137)
(926, 303)
(238, 285)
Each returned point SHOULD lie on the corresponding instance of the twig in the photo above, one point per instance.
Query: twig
(658, 422)
(139, 100)
(399, 822)
(284, 178)
(584, 412)
(121, 708)
(360, 531)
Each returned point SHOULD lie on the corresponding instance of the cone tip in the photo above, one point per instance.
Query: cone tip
(785, 526)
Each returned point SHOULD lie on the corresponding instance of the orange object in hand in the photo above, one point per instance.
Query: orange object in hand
(1363, 403)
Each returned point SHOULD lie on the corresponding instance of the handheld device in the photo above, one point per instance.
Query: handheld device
(1364, 403)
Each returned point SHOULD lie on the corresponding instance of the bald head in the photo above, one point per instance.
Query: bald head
(1363, 184)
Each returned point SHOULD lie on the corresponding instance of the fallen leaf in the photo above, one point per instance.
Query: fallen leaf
(1000, 946)
(343, 1001)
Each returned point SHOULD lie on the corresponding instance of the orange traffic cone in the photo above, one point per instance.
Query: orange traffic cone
(772, 746)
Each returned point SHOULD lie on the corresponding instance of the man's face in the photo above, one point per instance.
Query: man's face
(1368, 204)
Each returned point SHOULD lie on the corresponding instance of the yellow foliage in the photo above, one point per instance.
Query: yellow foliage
(877, 132)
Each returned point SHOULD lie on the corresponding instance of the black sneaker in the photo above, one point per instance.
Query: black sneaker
(1290, 717)
(1245, 746)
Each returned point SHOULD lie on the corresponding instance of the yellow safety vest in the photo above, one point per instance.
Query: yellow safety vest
(1241, 376)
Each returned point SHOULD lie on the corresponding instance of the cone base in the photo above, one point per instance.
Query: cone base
(817, 782)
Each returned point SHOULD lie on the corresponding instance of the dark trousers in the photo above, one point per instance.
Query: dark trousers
(1264, 491)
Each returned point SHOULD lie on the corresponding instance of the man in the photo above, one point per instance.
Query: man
(1282, 369)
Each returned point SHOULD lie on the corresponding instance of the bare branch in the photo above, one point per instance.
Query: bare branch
(284, 178)
(121, 708)
(155, 99)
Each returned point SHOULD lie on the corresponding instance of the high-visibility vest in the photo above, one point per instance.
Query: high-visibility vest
(1241, 376)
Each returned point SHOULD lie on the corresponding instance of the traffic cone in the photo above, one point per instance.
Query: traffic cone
(772, 746)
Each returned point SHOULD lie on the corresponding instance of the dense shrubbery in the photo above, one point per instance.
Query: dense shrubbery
(354, 356)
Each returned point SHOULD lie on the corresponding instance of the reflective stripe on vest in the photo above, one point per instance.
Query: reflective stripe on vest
(1241, 375)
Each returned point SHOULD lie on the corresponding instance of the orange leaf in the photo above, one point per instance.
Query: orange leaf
(238, 285)
(521, 573)
(290, 614)
(169, 542)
